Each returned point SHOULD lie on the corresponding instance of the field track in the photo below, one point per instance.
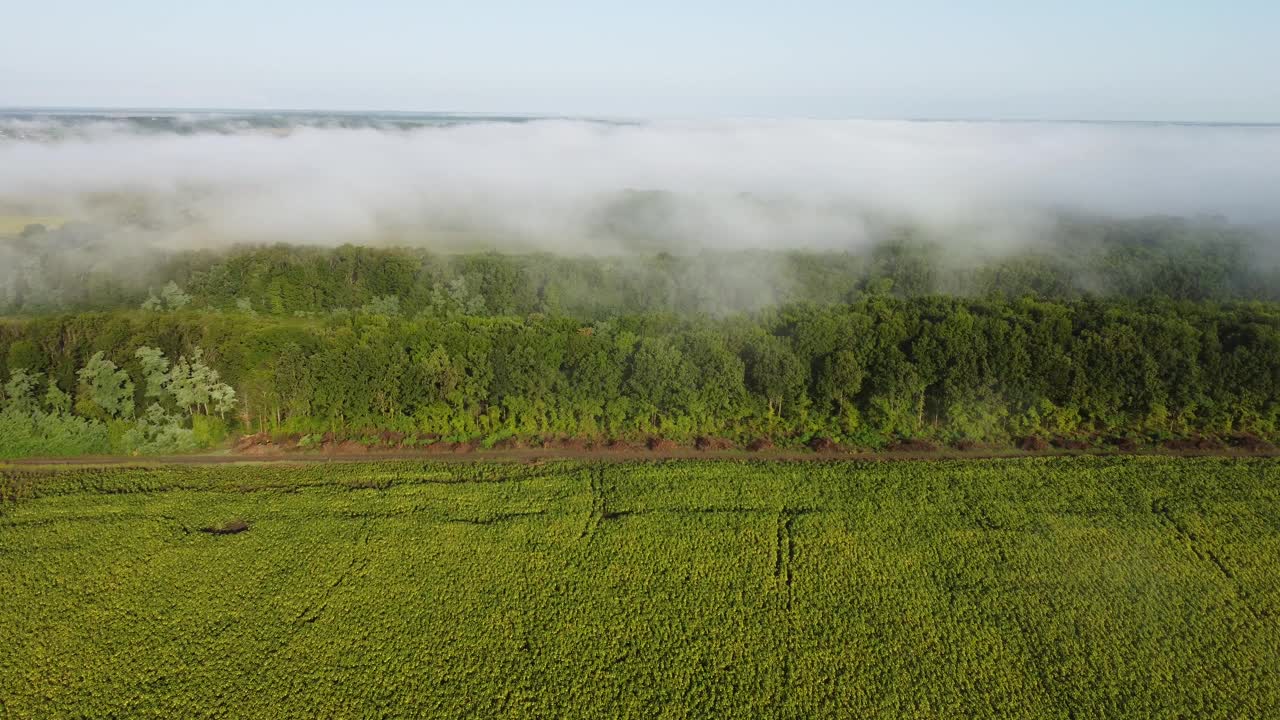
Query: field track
(630, 455)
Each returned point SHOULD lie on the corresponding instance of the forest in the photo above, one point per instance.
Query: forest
(1179, 340)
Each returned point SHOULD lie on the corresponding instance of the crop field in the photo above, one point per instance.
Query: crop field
(1080, 587)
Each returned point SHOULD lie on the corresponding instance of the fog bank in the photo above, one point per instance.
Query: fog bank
(594, 187)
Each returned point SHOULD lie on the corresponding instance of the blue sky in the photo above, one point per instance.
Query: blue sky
(1087, 59)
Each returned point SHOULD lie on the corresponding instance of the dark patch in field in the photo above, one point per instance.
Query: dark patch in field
(230, 528)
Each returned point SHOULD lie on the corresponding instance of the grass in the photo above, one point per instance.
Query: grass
(1042, 587)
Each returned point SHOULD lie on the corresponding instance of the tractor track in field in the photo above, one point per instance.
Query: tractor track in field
(784, 571)
(1205, 554)
(355, 568)
(599, 510)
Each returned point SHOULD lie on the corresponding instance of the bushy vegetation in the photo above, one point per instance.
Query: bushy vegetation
(1068, 587)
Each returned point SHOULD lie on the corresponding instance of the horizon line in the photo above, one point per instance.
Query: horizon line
(523, 115)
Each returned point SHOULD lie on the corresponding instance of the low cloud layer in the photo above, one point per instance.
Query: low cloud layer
(579, 186)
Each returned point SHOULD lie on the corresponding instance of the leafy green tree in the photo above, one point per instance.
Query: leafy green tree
(774, 372)
(56, 401)
(158, 431)
(104, 387)
(660, 378)
(20, 391)
(197, 387)
(155, 371)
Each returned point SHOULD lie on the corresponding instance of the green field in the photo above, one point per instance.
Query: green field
(1050, 587)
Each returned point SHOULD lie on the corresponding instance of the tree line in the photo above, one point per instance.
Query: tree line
(865, 373)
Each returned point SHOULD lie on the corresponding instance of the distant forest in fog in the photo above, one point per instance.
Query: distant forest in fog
(74, 268)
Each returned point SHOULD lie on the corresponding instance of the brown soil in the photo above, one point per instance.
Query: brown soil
(712, 443)
(261, 448)
(1252, 443)
(572, 444)
(510, 443)
(347, 447)
(1124, 444)
(1032, 443)
(825, 445)
(1195, 443)
(913, 445)
(249, 441)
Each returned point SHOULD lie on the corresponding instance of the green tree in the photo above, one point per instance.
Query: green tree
(106, 388)
(155, 371)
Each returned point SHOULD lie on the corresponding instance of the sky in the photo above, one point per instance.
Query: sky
(1189, 60)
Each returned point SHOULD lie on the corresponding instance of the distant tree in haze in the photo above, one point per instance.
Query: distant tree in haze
(171, 297)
